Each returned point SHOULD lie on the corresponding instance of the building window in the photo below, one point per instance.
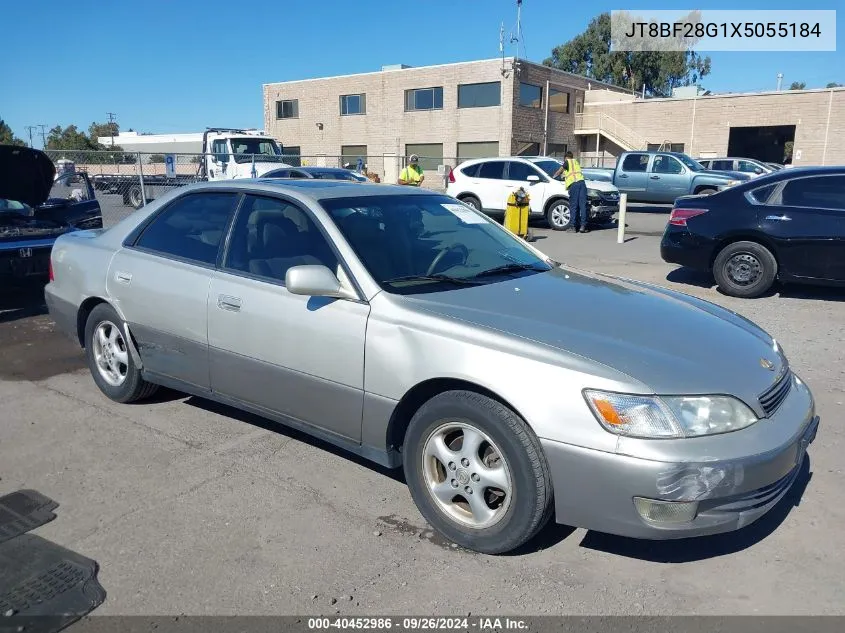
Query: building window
(351, 154)
(287, 109)
(431, 154)
(668, 147)
(556, 150)
(480, 95)
(558, 101)
(292, 155)
(530, 96)
(527, 148)
(353, 104)
(424, 99)
(484, 149)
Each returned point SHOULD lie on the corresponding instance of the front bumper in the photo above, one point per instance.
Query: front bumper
(23, 261)
(596, 490)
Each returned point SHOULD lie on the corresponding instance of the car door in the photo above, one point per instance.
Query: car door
(219, 159)
(72, 201)
(160, 281)
(492, 188)
(632, 175)
(667, 179)
(806, 218)
(301, 357)
(517, 176)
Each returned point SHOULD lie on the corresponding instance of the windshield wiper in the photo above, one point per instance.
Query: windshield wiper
(509, 268)
(446, 278)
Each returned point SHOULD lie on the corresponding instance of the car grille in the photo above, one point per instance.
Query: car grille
(774, 396)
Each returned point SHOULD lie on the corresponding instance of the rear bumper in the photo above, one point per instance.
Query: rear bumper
(685, 249)
(62, 312)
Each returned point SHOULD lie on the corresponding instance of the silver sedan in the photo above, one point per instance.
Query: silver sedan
(408, 328)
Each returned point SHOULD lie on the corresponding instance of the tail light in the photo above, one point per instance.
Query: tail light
(51, 270)
(451, 175)
(679, 217)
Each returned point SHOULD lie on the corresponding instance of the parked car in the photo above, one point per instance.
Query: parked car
(36, 207)
(661, 177)
(486, 183)
(418, 332)
(748, 166)
(775, 166)
(326, 173)
(787, 226)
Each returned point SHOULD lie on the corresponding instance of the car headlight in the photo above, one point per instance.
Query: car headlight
(592, 193)
(668, 416)
(731, 183)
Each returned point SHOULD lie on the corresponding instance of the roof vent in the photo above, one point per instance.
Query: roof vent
(396, 67)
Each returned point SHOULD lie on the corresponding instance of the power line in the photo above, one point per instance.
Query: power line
(43, 135)
(29, 129)
(111, 115)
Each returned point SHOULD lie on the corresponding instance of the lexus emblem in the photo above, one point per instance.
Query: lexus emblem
(765, 363)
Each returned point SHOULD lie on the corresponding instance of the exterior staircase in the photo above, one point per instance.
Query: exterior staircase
(592, 123)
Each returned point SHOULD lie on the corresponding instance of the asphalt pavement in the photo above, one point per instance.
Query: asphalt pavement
(194, 508)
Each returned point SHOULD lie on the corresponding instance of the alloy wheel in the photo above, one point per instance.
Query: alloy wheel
(110, 353)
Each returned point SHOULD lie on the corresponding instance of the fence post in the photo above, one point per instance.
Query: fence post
(623, 207)
(141, 178)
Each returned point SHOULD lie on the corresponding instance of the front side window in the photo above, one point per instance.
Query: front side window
(530, 96)
(244, 149)
(520, 171)
(480, 95)
(190, 227)
(748, 167)
(424, 99)
(271, 235)
(353, 104)
(635, 162)
(416, 243)
(220, 150)
(667, 165)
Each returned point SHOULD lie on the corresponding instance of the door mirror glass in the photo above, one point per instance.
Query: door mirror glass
(314, 281)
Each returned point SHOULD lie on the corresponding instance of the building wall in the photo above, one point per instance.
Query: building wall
(703, 124)
(386, 127)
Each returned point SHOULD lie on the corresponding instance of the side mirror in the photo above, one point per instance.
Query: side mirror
(315, 281)
(758, 170)
(533, 178)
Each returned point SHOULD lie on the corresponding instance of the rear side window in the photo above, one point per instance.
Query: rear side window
(762, 194)
(471, 170)
(722, 165)
(821, 192)
(635, 162)
(191, 227)
(494, 170)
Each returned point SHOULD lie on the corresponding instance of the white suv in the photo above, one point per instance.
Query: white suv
(486, 183)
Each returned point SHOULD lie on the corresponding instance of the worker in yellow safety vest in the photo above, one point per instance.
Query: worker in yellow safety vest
(516, 213)
(412, 174)
(577, 189)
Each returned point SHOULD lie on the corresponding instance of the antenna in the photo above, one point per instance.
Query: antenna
(517, 36)
(505, 71)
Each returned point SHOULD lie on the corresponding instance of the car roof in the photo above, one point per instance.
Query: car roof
(312, 189)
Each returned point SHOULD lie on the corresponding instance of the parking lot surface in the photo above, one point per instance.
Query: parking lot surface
(194, 508)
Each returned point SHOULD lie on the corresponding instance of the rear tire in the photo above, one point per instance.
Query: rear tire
(109, 359)
(558, 215)
(472, 201)
(745, 269)
(491, 498)
(136, 199)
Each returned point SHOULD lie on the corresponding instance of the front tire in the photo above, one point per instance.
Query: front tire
(558, 215)
(109, 360)
(477, 472)
(472, 201)
(745, 269)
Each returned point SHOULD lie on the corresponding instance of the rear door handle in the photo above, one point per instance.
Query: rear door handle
(226, 302)
(122, 277)
(655, 177)
(779, 218)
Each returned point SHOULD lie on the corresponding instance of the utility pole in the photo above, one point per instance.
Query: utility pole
(43, 136)
(111, 127)
(29, 129)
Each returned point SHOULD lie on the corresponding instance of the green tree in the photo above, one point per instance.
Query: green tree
(156, 158)
(69, 138)
(590, 54)
(7, 137)
(797, 85)
(833, 84)
(97, 130)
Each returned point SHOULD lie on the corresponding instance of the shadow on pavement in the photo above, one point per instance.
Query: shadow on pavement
(701, 279)
(695, 549)
(636, 207)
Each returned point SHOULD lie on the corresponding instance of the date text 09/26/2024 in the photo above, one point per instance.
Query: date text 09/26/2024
(418, 623)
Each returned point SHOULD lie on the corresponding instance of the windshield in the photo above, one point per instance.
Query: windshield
(244, 148)
(548, 166)
(693, 165)
(420, 243)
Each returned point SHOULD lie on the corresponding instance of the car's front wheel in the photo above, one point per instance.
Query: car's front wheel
(745, 269)
(109, 359)
(472, 201)
(477, 472)
(558, 215)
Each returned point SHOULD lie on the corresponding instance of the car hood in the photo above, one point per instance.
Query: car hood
(26, 174)
(731, 175)
(600, 185)
(674, 343)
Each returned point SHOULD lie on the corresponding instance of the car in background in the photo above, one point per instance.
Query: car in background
(36, 207)
(325, 173)
(748, 166)
(416, 332)
(775, 166)
(486, 183)
(786, 226)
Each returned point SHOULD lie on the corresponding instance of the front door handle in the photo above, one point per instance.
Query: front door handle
(122, 277)
(226, 302)
(623, 175)
(779, 218)
(655, 177)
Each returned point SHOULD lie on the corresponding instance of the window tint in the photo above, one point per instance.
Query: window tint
(270, 236)
(823, 192)
(470, 171)
(493, 169)
(520, 171)
(530, 96)
(666, 165)
(761, 194)
(479, 95)
(635, 162)
(723, 165)
(191, 227)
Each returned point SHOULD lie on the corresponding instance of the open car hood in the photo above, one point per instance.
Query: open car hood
(26, 175)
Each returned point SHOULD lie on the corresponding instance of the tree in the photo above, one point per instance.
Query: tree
(156, 158)
(97, 130)
(590, 54)
(7, 137)
(797, 85)
(68, 138)
(833, 84)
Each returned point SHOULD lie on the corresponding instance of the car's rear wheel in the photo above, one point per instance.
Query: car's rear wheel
(109, 358)
(745, 269)
(477, 472)
(472, 201)
(136, 198)
(558, 215)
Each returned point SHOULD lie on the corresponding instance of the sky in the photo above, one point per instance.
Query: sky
(184, 65)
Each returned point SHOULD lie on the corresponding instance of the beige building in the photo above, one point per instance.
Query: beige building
(444, 113)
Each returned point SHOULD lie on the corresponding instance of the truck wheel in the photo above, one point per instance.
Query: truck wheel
(745, 269)
(477, 472)
(136, 200)
(558, 215)
(706, 191)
